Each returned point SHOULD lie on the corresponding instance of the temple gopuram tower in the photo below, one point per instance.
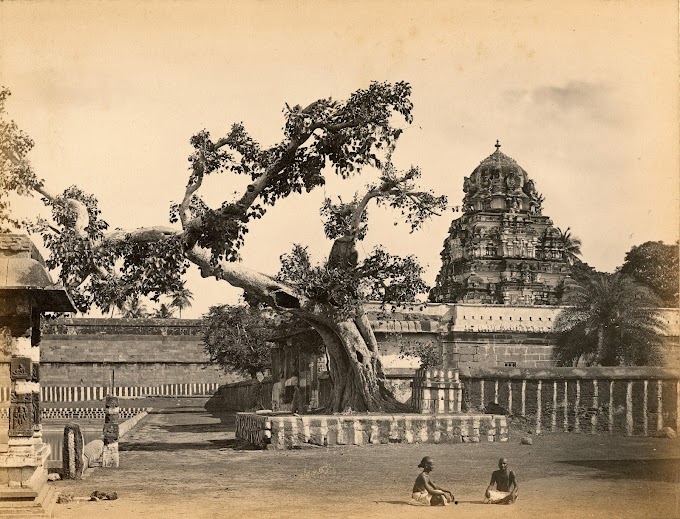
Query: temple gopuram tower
(502, 250)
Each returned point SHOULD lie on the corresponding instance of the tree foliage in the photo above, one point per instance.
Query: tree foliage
(610, 320)
(181, 298)
(163, 312)
(135, 309)
(237, 338)
(571, 244)
(426, 351)
(101, 267)
(345, 135)
(16, 173)
(655, 265)
(380, 277)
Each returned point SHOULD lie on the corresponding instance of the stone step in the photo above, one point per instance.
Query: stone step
(24, 512)
(40, 506)
(17, 494)
(49, 500)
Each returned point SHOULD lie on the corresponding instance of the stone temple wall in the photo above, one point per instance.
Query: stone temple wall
(136, 357)
(166, 357)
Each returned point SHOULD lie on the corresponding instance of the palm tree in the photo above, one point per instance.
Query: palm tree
(163, 312)
(610, 320)
(181, 299)
(134, 309)
(113, 305)
(571, 244)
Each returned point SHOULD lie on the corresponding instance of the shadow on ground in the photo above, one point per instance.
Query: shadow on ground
(667, 470)
(232, 444)
(197, 428)
(410, 503)
(178, 410)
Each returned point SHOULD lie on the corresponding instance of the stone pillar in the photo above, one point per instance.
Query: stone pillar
(26, 290)
(110, 457)
(23, 456)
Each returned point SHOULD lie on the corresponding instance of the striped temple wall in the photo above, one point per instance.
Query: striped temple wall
(83, 394)
(87, 413)
(94, 413)
(625, 401)
(289, 432)
(78, 393)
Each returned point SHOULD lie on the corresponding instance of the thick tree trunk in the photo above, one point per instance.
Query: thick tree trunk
(355, 368)
(600, 345)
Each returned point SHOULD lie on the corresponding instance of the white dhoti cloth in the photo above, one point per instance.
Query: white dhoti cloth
(496, 497)
(421, 498)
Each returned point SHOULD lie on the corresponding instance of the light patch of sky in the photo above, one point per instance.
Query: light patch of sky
(583, 95)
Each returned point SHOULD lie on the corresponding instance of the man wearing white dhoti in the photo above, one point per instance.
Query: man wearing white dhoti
(505, 483)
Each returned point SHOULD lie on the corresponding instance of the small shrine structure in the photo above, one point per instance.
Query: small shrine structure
(26, 292)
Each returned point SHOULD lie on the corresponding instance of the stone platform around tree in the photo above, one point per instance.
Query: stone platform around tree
(279, 431)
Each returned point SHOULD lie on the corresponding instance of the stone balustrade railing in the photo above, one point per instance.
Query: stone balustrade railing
(618, 400)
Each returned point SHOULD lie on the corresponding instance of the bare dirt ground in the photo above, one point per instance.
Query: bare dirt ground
(183, 462)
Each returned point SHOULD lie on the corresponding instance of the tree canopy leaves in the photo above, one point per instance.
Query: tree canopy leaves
(655, 265)
(610, 320)
(236, 338)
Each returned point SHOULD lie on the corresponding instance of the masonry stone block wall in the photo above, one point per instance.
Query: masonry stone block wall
(164, 355)
(495, 349)
(476, 335)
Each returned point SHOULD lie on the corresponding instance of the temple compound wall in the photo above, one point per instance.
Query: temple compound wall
(83, 358)
(469, 335)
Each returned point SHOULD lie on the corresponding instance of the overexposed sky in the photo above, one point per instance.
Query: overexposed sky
(583, 94)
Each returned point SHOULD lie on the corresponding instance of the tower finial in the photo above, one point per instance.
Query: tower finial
(497, 145)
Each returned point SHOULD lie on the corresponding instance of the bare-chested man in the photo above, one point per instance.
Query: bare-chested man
(425, 491)
(505, 482)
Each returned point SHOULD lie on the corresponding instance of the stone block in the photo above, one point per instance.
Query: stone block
(332, 436)
(72, 452)
(21, 414)
(14, 475)
(111, 432)
(20, 368)
(317, 438)
(360, 437)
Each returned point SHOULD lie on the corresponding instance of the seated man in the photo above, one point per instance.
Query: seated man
(425, 491)
(503, 480)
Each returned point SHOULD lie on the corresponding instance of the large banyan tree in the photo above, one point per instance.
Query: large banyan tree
(345, 137)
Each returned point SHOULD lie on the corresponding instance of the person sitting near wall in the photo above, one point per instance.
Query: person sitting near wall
(425, 491)
(504, 481)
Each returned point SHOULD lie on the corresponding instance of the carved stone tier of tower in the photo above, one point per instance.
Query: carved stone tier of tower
(502, 250)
